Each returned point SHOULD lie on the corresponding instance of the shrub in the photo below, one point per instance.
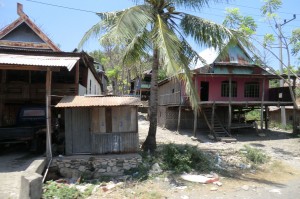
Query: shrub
(63, 191)
(184, 158)
(255, 155)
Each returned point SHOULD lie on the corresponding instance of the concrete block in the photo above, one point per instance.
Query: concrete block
(31, 186)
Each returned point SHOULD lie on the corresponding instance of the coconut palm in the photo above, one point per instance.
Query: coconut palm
(156, 26)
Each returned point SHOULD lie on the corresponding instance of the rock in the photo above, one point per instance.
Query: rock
(245, 187)
(81, 168)
(155, 169)
(214, 188)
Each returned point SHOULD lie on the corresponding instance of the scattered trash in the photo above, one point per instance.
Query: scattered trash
(245, 187)
(275, 191)
(214, 188)
(184, 197)
(194, 138)
(205, 179)
(244, 166)
(110, 185)
(218, 183)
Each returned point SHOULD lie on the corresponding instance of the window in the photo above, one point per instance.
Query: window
(225, 89)
(251, 89)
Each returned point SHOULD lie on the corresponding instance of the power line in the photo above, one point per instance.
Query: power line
(94, 12)
(69, 8)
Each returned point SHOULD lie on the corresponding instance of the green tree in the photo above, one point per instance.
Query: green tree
(155, 26)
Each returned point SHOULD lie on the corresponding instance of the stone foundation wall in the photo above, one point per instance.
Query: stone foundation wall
(92, 167)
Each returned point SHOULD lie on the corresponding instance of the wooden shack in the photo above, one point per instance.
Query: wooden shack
(100, 124)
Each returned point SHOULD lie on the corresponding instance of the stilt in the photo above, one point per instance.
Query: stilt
(179, 118)
(262, 106)
(195, 122)
(229, 106)
(266, 117)
(212, 119)
(48, 113)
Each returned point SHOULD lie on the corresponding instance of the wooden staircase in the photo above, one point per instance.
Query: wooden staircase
(217, 130)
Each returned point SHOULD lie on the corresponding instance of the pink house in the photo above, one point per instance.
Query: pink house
(229, 85)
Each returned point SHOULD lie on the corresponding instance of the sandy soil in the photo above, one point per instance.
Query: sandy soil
(279, 178)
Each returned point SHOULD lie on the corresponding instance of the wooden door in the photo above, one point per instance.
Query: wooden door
(81, 135)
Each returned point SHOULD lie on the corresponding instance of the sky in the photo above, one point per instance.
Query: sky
(65, 27)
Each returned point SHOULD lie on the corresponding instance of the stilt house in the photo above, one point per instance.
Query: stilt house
(228, 86)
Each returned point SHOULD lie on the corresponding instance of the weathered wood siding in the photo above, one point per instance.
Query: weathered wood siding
(169, 93)
(78, 138)
(124, 142)
(86, 130)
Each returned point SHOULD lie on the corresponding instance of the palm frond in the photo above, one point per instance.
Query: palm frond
(94, 31)
(137, 48)
(205, 32)
(195, 4)
(128, 23)
(174, 60)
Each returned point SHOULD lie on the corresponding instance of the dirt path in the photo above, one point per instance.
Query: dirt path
(279, 178)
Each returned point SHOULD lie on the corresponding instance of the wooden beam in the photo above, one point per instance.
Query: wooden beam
(77, 77)
(195, 122)
(213, 119)
(48, 113)
(179, 118)
(2, 95)
(229, 105)
(27, 67)
(262, 106)
(266, 117)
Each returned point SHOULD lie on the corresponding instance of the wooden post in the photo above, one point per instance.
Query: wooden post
(48, 113)
(229, 106)
(295, 108)
(2, 95)
(179, 111)
(213, 119)
(195, 122)
(77, 77)
(179, 118)
(195, 111)
(262, 106)
(266, 117)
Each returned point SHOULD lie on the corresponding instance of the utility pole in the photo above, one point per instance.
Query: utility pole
(280, 35)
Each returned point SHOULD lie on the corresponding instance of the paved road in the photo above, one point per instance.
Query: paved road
(13, 161)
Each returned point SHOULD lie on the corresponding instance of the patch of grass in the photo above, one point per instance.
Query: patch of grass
(255, 155)
(60, 191)
(280, 126)
(184, 158)
(63, 191)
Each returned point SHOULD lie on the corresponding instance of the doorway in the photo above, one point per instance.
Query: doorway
(204, 91)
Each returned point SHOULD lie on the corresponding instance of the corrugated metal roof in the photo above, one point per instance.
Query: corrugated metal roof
(86, 101)
(31, 60)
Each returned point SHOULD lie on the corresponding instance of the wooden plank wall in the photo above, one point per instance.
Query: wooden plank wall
(169, 93)
(125, 142)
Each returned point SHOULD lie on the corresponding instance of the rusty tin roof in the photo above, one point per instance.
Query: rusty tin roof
(33, 60)
(91, 101)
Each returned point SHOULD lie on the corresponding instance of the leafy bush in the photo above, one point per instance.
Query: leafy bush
(255, 155)
(63, 191)
(184, 158)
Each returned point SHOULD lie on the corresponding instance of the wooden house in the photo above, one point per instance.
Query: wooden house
(33, 70)
(140, 86)
(100, 125)
(26, 54)
(228, 85)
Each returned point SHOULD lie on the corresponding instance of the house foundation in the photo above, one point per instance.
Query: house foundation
(96, 166)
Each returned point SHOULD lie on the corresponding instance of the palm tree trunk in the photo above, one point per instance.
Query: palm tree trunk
(150, 142)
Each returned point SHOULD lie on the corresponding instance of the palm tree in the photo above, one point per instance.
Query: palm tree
(156, 26)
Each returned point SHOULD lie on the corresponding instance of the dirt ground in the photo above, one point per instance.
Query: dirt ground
(279, 178)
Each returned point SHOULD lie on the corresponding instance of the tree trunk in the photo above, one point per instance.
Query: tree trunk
(150, 142)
